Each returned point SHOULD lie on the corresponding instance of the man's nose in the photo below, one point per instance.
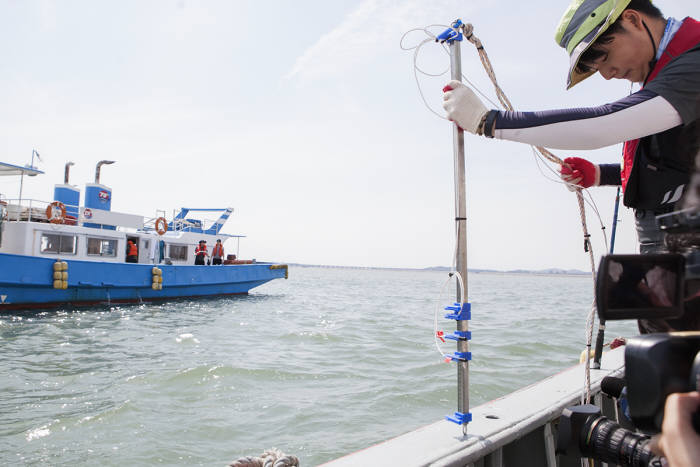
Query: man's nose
(607, 72)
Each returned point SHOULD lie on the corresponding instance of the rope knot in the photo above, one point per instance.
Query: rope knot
(467, 30)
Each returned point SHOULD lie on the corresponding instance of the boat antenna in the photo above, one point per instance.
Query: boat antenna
(21, 179)
(97, 169)
(65, 176)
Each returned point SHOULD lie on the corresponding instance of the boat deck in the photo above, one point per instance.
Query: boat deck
(518, 429)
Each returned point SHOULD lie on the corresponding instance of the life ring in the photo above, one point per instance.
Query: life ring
(55, 212)
(161, 225)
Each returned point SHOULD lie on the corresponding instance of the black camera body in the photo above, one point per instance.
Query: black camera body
(656, 365)
(662, 291)
(644, 287)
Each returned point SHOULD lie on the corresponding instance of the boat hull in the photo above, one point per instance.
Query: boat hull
(27, 282)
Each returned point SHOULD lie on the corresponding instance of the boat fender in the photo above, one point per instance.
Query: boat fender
(60, 275)
(281, 266)
(161, 225)
(582, 357)
(56, 212)
(617, 342)
(157, 278)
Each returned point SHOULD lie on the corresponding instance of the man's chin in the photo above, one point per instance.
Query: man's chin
(637, 77)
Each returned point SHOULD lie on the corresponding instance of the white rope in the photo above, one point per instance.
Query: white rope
(468, 32)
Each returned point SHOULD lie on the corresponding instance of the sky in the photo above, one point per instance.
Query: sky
(306, 118)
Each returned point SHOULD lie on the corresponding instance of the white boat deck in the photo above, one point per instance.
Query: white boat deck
(516, 429)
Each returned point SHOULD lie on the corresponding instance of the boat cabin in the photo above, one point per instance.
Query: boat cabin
(93, 232)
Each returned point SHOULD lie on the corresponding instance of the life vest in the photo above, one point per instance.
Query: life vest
(653, 171)
(201, 250)
(133, 251)
(218, 250)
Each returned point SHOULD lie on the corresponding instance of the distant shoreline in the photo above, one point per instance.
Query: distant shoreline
(541, 272)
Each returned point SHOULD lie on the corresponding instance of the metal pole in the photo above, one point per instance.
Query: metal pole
(21, 178)
(461, 220)
(601, 326)
(614, 226)
(21, 184)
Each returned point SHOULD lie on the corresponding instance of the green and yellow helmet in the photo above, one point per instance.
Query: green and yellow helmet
(581, 25)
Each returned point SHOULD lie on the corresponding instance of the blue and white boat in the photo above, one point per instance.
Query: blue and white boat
(61, 253)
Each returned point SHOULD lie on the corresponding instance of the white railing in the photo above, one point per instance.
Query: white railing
(33, 210)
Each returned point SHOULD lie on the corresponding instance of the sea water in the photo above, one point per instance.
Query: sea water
(328, 362)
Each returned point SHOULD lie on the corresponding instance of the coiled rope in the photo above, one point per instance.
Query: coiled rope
(270, 458)
(468, 31)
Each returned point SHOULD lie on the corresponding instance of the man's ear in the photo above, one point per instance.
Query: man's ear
(633, 19)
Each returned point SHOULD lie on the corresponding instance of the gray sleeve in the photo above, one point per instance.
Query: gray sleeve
(679, 84)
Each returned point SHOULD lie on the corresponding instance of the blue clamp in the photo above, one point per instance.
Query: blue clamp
(462, 311)
(460, 336)
(459, 356)
(460, 418)
(452, 34)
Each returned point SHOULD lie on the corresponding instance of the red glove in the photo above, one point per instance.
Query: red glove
(581, 172)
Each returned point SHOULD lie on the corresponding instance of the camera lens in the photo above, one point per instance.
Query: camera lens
(609, 442)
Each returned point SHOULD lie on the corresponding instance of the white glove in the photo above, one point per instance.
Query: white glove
(463, 107)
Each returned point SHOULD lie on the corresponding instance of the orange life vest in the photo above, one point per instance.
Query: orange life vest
(218, 250)
(201, 250)
(132, 251)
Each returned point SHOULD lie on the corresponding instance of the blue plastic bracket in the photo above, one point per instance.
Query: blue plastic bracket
(452, 34)
(459, 356)
(460, 336)
(460, 418)
(462, 311)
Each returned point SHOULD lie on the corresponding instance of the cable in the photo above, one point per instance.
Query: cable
(539, 152)
(437, 307)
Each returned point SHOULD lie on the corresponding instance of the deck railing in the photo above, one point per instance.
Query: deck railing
(33, 210)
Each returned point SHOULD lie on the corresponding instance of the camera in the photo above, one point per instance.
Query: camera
(662, 288)
(656, 365)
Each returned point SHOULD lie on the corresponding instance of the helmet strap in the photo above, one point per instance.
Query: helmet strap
(652, 62)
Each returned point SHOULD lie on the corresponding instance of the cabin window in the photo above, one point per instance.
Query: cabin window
(58, 244)
(101, 247)
(178, 252)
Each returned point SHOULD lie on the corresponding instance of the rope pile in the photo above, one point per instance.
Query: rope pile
(270, 458)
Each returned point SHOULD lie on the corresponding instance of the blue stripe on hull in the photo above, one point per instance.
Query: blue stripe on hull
(26, 280)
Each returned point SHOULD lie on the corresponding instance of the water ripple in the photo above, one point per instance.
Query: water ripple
(328, 362)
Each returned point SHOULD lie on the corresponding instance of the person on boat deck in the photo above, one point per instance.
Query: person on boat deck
(200, 253)
(132, 252)
(217, 253)
(621, 39)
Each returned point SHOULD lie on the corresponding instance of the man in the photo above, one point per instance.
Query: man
(217, 253)
(621, 39)
(200, 253)
(132, 252)
(679, 442)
